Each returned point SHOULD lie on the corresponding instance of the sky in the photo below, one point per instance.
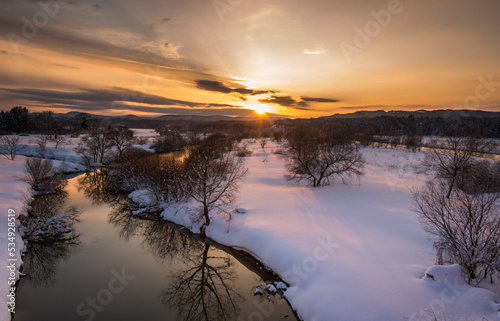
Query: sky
(236, 57)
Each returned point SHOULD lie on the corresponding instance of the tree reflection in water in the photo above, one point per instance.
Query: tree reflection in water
(98, 186)
(202, 282)
(202, 288)
(49, 235)
(43, 257)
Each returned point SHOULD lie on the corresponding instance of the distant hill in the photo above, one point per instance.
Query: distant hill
(162, 120)
(417, 114)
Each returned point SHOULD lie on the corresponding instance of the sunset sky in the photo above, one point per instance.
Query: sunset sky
(293, 57)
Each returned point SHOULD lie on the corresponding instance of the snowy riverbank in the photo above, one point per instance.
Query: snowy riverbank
(14, 193)
(349, 252)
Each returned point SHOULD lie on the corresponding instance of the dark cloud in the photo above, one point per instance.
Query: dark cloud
(159, 26)
(217, 86)
(70, 41)
(286, 101)
(301, 103)
(100, 99)
(233, 112)
(320, 100)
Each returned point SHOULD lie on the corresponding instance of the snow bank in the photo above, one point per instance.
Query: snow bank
(13, 192)
(12, 188)
(451, 298)
(65, 151)
(349, 252)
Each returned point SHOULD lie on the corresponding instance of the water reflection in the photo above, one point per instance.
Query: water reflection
(98, 186)
(43, 257)
(203, 287)
(181, 277)
(48, 228)
(158, 238)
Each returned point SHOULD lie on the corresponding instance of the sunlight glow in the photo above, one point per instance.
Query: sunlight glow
(260, 109)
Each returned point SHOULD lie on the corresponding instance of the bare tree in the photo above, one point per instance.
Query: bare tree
(121, 138)
(413, 142)
(211, 177)
(42, 145)
(466, 222)
(168, 141)
(58, 140)
(316, 156)
(451, 157)
(263, 143)
(10, 146)
(41, 175)
(96, 145)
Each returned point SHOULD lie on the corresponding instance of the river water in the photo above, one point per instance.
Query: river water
(114, 266)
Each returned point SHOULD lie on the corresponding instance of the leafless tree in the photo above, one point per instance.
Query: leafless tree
(121, 138)
(10, 146)
(168, 141)
(466, 222)
(263, 143)
(42, 145)
(58, 140)
(96, 145)
(316, 156)
(211, 177)
(451, 157)
(395, 141)
(39, 173)
(242, 150)
(413, 142)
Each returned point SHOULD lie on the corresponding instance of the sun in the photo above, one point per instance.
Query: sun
(260, 109)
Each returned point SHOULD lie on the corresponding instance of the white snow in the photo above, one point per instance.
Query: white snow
(142, 198)
(12, 188)
(14, 192)
(280, 285)
(271, 288)
(258, 292)
(349, 252)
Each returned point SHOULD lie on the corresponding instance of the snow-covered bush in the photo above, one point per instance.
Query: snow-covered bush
(466, 226)
(41, 175)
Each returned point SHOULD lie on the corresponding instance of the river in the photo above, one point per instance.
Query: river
(115, 266)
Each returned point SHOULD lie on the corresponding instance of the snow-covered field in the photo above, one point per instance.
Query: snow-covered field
(349, 252)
